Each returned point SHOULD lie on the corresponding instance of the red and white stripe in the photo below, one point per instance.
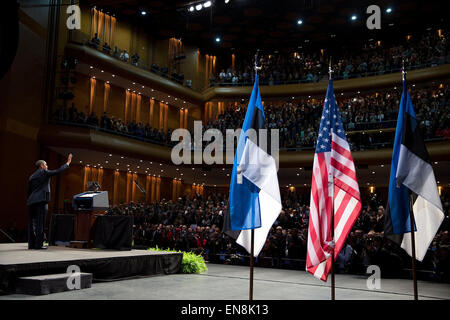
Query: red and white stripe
(334, 190)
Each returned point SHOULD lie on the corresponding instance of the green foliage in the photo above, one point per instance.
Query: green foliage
(191, 263)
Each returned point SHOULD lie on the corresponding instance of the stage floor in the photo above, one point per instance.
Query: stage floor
(223, 282)
(18, 253)
(17, 261)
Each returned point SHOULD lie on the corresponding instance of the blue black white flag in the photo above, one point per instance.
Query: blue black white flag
(254, 201)
(411, 171)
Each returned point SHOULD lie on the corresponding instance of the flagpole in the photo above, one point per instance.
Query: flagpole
(252, 259)
(252, 233)
(413, 247)
(333, 287)
(411, 220)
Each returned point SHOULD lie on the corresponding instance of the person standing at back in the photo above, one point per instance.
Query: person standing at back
(38, 199)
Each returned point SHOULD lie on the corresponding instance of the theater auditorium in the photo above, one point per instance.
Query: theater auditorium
(98, 97)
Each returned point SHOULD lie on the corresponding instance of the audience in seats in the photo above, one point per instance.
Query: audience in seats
(306, 65)
(367, 114)
(194, 224)
(369, 119)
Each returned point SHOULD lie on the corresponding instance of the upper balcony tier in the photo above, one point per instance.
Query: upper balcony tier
(164, 84)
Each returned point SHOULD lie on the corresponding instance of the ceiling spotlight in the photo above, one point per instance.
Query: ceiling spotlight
(207, 4)
(113, 75)
(198, 7)
(388, 10)
(226, 1)
(354, 17)
(91, 67)
(191, 9)
(143, 12)
(299, 21)
(217, 39)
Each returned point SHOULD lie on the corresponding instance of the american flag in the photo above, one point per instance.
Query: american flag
(333, 180)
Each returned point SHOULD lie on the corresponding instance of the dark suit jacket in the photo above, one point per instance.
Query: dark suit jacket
(39, 185)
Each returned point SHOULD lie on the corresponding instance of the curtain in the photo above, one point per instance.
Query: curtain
(186, 111)
(87, 171)
(181, 118)
(150, 114)
(116, 187)
(133, 107)
(153, 189)
(147, 188)
(93, 83)
(161, 115)
(129, 177)
(138, 108)
(112, 31)
(101, 16)
(100, 176)
(166, 109)
(106, 97)
(127, 105)
(158, 189)
(94, 22)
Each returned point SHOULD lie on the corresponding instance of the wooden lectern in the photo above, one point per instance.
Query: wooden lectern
(87, 206)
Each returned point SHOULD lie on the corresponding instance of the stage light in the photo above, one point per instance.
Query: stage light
(113, 75)
(217, 39)
(388, 10)
(191, 8)
(207, 4)
(226, 1)
(198, 7)
(299, 21)
(354, 17)
(91, 67)
(143, 12)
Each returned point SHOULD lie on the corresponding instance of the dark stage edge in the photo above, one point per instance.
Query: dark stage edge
(17, 261)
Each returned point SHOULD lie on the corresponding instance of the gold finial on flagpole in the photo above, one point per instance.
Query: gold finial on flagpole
(403, 70)
(256, 67)
(330, 69)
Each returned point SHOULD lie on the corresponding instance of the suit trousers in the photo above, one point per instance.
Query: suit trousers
(36, 221)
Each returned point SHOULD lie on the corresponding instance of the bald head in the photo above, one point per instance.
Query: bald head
(41, 164)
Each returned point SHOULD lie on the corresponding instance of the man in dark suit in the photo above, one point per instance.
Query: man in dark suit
(38, 199)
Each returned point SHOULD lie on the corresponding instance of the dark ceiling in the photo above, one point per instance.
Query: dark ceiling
(272, 25)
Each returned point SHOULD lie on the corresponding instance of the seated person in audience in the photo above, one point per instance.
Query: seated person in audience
(106, 48)
(124, 56)
(95, 41)
(115, 53)
(135, 59)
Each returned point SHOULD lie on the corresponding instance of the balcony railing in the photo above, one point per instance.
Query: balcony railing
(324, 77)
(366, 139)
